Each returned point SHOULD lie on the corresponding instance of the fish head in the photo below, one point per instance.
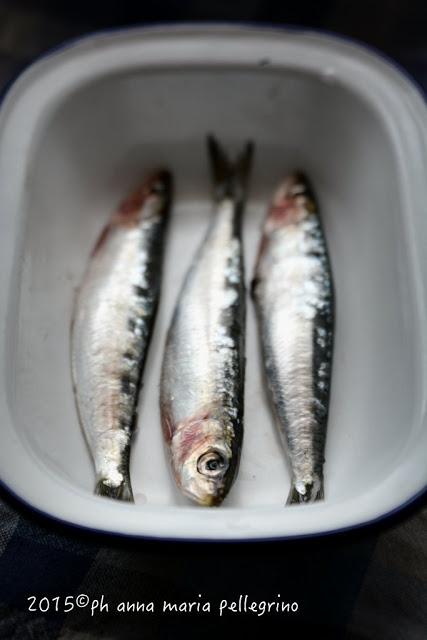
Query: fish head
(203, 461)
(156, 193)
(158, 185)
(150, 200)
(292, 202)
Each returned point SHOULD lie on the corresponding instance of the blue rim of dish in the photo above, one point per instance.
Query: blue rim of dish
(416, 501)
(413, 501)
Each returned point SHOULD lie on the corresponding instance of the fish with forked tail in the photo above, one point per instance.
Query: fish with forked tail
(112, 326)
(202, 380)
(293, 295)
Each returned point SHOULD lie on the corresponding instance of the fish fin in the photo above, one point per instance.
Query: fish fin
(122, 492)
(243, 165)
(230, 179)
(312, 493)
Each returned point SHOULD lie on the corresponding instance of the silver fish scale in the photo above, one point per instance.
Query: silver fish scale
(202, 368)
(111, 332)
(294, 299)
(202, 382)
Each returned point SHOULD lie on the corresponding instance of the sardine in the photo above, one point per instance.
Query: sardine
(293, 294)
(112, 325)
(202, 380)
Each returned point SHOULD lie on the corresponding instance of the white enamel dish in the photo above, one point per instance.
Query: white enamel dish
(81, 126)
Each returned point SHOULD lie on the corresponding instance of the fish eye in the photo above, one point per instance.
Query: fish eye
(212, 464)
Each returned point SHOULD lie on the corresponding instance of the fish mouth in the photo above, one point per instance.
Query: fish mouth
(207, 500)
(212, 501)
(158, 182)
(206, 494)
(295, 190)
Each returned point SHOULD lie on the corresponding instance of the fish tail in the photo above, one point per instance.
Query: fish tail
(230, 178)
(310, 492)
(123, 491)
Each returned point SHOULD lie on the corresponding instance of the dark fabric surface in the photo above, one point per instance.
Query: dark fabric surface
(366, 585)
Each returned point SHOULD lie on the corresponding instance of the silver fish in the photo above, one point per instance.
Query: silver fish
(203, 370)
(293, 294)
(112, 325)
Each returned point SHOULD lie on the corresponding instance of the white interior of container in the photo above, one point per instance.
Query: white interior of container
(77, 134)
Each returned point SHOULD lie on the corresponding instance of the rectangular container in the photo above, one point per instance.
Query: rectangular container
(80, 127)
